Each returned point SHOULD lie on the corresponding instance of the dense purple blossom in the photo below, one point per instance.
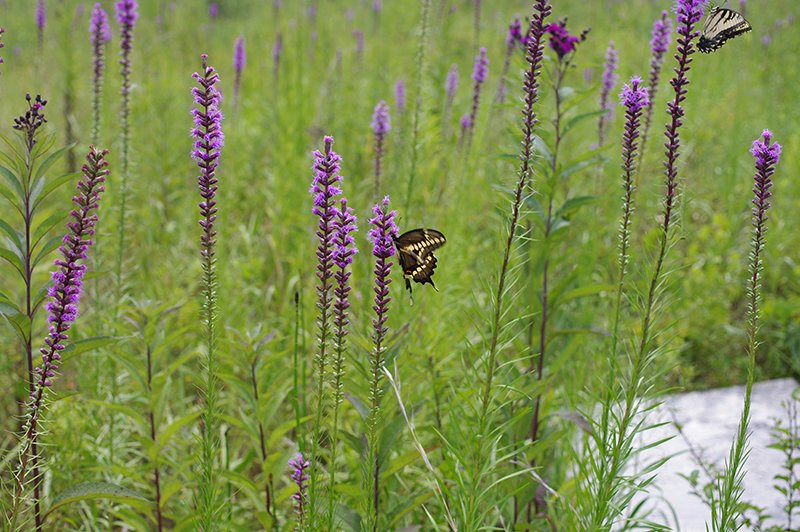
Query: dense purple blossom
(126, 13)
(67, 288)
(560, 40)
(381, 125)
(662, 36)
(300, 496)
(481, 68)
(377, 5)
(400, 96)
(514, 35)
(359, 35)
(451, 82)
(99, 28)
(689, 11)
(312, 11)
(479, 73)
(41, 14)
(634, 96)
(344, 248)
(277, 48)
(213, 10)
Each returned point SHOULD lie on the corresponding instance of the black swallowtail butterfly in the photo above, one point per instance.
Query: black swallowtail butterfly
(415, 252)
(721, 25)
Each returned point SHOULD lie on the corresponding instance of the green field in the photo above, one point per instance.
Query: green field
(109, 401)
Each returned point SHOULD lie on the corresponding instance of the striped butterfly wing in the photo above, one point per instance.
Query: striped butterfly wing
(720, 25)
(415, 253)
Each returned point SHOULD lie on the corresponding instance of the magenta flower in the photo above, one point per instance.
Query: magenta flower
(560, 40)
(344, 248)
(100, 33)
(610, 78)
(213, 10)
(481, 68)
(67, 287)
(277, 48)
(312, 11)
(99, 29)
(381, 125)
(450, 85)
(514, 35)
(126, 13)
(634, 98)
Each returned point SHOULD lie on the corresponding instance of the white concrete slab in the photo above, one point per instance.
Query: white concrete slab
(709, 420)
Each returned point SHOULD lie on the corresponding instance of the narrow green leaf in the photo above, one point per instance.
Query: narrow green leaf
(568, 171)
(141, 424)
(14, 260)
(573, 204)
(53, 184)
(7, 308)
(582, 291)
(87, 344)
(93, 490)
(21, 325)
(41, 295)
(38, 185)
(176, 425)
(580, 118)
(10, 196)
(46, 226)
(48, 248)
(10, 233)
(12, 178)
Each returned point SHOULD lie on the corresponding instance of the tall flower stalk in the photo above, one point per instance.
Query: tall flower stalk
(2, 44)
(479, 73)
(610, 78)
(206, 151)
(344, 249)
(662, 36)
(726, 512)
(416, 119)
(325, 189)
(618, 429)
(634, 98)
(513, 39)
(127, 14)
(277, 50)
(100, 33)
(62, 311)
(400, 96)
(239, 62)
(382, 235)
(381, 125)
(41, 22)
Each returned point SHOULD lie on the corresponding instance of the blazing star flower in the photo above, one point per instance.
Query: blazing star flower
(451, 83)
(560, 40)
(479, 74)
(67, 288)
(382, 235)
(276, 56)
(213, 10)
(359, 35)
(400, 96)
(312, 11)
(41, 14)
(31, 120)
(99, 29)
(381, 125)
(344, 248)
(514, 35)
(100, 33)
(662, 36)
(300, 497)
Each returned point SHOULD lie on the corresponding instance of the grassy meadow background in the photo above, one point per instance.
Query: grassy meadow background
(266, 240)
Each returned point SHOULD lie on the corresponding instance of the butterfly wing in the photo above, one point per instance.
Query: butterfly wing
(720, 25)
(415, 253)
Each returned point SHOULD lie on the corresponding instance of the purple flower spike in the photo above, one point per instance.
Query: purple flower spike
(400, 96)
(300, 497)
(126, 13)
(662, 37)
(381, 125)
(32, 120)
(100, 33)
(377, 5)
(689, 11)
(514, 35)
(67, 287)
(767, 158)
(41, 14)
(344, 248)
(610, 78)
(479, 74)
(206, 152)
(277, 48)
(239, 62)
(213, 10)
(382, 235)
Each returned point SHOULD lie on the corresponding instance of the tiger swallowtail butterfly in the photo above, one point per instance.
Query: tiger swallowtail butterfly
(722, 24)
(415, 252)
